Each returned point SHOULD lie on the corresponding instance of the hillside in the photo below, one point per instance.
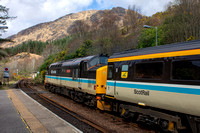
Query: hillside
(105, 32)
(62, 27)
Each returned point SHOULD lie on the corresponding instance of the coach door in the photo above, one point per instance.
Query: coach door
(59, 72)
(111, 83)
(79, 78)
(75, 78)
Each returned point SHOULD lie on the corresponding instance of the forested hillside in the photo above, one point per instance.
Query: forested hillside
(117, 30)
(179, 23)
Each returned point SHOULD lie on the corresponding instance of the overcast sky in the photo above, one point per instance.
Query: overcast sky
(32, 12)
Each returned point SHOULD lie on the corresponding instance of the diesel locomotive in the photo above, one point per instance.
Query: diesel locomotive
(76, 78)
(156, 85)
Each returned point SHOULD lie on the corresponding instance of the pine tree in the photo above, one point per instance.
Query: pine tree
(4, 16)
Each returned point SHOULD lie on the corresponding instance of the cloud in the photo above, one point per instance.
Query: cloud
(32, 12)
(147, 7)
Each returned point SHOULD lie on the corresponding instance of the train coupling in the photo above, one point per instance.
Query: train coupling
(102, 104)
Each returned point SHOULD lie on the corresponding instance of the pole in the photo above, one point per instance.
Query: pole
(147, 26)
(156, 36)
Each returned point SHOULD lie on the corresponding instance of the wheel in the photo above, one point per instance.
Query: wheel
(164, 124)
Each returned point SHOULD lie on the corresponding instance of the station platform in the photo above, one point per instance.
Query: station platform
(21, 114)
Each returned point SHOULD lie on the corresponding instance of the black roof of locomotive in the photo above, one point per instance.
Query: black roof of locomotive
(71, 63)
(75, 62)
(159, 49)
(56, 64)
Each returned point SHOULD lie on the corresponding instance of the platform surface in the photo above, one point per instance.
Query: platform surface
(10, 119)
(37, 117)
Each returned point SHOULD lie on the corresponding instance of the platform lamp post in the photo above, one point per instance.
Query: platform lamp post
(147, 26)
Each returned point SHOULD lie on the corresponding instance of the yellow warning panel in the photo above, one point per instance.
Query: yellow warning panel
(124, 74)
(101, 80)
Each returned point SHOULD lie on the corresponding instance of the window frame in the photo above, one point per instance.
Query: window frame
(112, 72)
(75, 73)
(127, 68)
(146, 62)
(178, 60)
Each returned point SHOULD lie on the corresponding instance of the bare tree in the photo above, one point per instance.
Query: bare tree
(109, 32)
(109, 24)
(49, 50)
(79, 27)
(131, 20)
(184, 21)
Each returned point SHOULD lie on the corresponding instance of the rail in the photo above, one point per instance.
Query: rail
(64, 108)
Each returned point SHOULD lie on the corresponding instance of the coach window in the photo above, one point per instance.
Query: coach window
(124, 72)
(93, 62)
(53, 72)
(85, 66)
(152, 70)
(110, 71)
(63, 70)
(186, 70)
(104, 60)
(59, 71)
(76, 73)
(124, 68)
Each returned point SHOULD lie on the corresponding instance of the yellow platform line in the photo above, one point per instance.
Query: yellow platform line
(32, 123)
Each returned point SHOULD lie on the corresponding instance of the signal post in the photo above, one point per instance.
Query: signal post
(6, 75)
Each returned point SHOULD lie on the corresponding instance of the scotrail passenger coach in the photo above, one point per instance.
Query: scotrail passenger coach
(158, 85)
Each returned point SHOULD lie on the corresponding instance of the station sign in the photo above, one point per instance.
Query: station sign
(6, 72)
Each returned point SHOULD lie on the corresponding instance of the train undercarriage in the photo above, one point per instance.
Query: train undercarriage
(80, 97)
(167, 121)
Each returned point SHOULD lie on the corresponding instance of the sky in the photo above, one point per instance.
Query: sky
(32, 12)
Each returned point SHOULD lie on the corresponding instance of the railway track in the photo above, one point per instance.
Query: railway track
(84, 124)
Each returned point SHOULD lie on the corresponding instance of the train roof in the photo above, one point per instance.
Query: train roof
(72, 62)
(56, 64)
(159, 49)
(75, 62)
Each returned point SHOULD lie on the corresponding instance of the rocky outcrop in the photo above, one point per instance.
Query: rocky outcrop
(24, 62)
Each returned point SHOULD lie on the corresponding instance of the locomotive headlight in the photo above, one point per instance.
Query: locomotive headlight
(141, 104)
